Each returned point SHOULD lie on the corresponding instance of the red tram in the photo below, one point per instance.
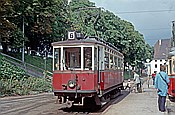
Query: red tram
(171, 74)
(86, 70)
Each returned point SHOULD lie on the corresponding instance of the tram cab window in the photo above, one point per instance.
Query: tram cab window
(87, 58)
(71, 58)
(57, 60)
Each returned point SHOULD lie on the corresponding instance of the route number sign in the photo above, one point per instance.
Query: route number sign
(71, 35)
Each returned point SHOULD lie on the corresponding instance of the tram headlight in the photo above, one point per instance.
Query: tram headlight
(71, 84)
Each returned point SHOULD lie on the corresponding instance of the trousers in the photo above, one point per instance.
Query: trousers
(161, 103)
(138, 86)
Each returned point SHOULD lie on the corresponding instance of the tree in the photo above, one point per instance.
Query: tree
(45, 21)
(6, 27)
(106, 25)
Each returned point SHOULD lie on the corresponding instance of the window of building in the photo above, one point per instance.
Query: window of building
(155, 65)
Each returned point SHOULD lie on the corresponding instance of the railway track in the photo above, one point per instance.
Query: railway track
(44, 104)
(23, 104)
(79, 111)
(23, 98)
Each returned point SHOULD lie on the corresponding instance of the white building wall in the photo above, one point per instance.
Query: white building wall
(158, 63)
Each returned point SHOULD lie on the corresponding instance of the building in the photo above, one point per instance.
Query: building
(161, 50)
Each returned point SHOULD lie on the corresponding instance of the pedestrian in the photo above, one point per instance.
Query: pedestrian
(148, 79)
(137, 81)
(153, 76)
(161, 84)
(128, 85)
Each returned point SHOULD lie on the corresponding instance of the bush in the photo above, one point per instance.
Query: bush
(13, 81)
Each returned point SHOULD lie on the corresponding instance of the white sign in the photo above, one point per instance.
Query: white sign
(71, 35)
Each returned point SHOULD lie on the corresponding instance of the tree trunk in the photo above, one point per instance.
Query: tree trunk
(4, 47)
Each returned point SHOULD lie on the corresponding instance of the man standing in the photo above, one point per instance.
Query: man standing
(137, 81)
(161, 84)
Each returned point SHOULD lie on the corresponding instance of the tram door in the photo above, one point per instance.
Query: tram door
(171, 66)
(100, 64)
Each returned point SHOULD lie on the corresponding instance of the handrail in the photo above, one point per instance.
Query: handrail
(28, 68)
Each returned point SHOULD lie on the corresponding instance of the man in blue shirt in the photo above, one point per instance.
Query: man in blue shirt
(161, 84)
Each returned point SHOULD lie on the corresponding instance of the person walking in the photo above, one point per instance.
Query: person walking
(161, 84)
(137, 81)
(148, 80)
(128, 85)
(153, 76)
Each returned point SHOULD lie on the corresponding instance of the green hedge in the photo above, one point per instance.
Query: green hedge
(13, 81)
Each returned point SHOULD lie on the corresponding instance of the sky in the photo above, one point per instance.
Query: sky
(152, 18)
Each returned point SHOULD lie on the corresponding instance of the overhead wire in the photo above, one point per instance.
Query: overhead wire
(144, 11)
(154, 29)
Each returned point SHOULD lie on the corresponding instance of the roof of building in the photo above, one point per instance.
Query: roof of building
(161, 49)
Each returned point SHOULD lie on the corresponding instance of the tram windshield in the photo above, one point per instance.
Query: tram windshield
(73, 58)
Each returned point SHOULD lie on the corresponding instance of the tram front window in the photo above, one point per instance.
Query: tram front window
(71, 58)
(57, 60)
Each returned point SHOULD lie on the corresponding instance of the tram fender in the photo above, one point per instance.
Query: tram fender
(97, 100)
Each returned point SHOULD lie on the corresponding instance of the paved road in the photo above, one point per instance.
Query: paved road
(43, 104)
(140, 104)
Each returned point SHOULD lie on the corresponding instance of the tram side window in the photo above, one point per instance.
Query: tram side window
(95, 58)
(116, 64)
(111, 62)
(88, 58)
(119, 63)
(72, 58)
(106, 60)
(122, 66)
(57, 59)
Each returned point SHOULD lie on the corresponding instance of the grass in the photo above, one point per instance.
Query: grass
(127, 75)
(37, 61)
(13, 81)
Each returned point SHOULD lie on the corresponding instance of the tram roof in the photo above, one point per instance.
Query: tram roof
(88, 40)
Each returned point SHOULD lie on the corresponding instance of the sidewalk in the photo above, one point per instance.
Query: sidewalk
(139, 104)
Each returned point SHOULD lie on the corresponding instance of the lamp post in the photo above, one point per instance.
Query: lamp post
(45, 62)
(23, 40)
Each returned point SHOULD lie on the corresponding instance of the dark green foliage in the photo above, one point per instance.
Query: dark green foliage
(107, 26)
(13, 81)
(47, 21)
(9, 71)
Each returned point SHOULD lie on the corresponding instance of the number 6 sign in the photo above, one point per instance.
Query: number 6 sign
(71, 35)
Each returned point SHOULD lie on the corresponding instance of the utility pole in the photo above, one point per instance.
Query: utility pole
(23, 40)
(173, 33)
(69, 1)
